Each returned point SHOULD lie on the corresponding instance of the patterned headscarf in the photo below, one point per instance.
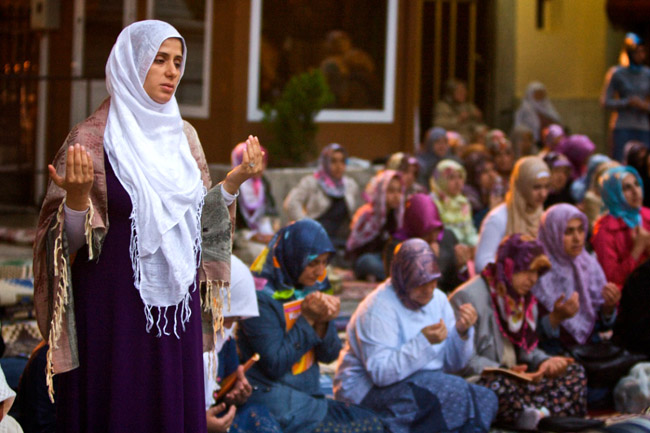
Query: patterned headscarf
(290, 251)
(370, 218)
(414, 265)
(401, 161)
(332, 187)
(581, 274)
(516, 314)
(526, 172)
(452, 209)
(612, 193)
(420, 217)
(252, 193)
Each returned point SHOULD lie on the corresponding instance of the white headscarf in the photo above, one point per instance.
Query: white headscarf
(243, 304)
(150, 155)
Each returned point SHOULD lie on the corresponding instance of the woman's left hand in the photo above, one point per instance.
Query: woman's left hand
(467, 317)
(240, 391)
(611, 297)
(553, 367)
(252, 165)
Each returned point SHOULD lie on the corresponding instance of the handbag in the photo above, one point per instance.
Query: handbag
(604, 362)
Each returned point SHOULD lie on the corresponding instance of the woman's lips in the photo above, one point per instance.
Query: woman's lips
(167, 87)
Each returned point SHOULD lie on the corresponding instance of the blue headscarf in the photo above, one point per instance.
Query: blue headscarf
(580, 186)
(290, 251)
(612, 194)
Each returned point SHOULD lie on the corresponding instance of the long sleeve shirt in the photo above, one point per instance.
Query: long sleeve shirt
(492, 232)
(623, 85)
(385, 343)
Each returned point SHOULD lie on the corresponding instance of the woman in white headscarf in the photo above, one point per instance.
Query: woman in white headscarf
(121, 307)
(7, 397)
(536, 110)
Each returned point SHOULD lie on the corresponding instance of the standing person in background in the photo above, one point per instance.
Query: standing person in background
(455, 112)
(628, 93)
(520, 213)
(328, 196)
(623, 62)
(536, 110)
(621, 238)
(125, 332)
(255, 210)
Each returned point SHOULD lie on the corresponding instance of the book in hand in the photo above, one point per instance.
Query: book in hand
(525, 376)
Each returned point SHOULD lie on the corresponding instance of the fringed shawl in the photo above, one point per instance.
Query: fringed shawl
(53, 294)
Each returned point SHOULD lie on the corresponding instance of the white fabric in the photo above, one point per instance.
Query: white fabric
(493, 229)
(385, 344)
(243, 305)
(528, 113)
(150, 155)
(7, 395)
(75, 221)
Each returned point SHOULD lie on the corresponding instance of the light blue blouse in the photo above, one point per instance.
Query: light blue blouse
(385, 344)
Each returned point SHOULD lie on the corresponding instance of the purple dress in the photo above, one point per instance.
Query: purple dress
(128, 379)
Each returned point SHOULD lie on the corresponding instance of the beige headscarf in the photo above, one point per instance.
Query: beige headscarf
(526, 172)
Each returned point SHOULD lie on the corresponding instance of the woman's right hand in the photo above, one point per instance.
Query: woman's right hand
(78, 177)
(563, 310)
(435, 333)
(220, 424)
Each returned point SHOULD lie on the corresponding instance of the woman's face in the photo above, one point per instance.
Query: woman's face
(559, 178)
(165, 71)
(639, 55)
(409, 176)
(574, 238)
(539, 95)
(393, 193)
(337, 165)
(314, 270)
(523, 281)
(504, 161)
(423, 294)
(460, 93)
(487, 178)
(455, 182)
(440, 147)
(539, 192)
(632, 191)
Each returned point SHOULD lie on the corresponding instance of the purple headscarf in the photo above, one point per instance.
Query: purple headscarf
(332, 187)
(420, 217)
(414, 265)
(516, 314)
(582, 274)
(252, 194)
(577, 148)
(553, 132)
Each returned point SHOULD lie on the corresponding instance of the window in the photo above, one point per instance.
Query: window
(352, 42)
(193, 20)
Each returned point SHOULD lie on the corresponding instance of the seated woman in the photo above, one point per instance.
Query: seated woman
(374, 223)
(577, 148)
(294, 332)
(403, 340)
(455, 112)
(552, 137)
(483, 187)
(255, 209)
(447, 185)
(434, 149)
(421, 220)
(560, 183)
(409, 166)
(576, 301)
(329, 196)
(521, 211)
(621, 239)
(637, 155)
(232, 413)
(523, 141)
(505, 337)
(503, 155)
(536, 110)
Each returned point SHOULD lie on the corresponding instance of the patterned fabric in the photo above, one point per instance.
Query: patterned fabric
(290, 251)
(414, 264)
(370, 218)
(526, 172)
(432, 401)
(581, 274)
(612, 193)
(332, 187)
(563, 396)
(515, 314)
(254, 418)
(349, 418)
(456, 211)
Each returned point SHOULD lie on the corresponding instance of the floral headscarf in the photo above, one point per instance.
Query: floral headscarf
(581, 274)
(252, 193)
(414, 265)
(290, 251)
(527, 170)
(612, 193)
(370, 218)
(516, 314)
(420, 217)
(332, 187)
